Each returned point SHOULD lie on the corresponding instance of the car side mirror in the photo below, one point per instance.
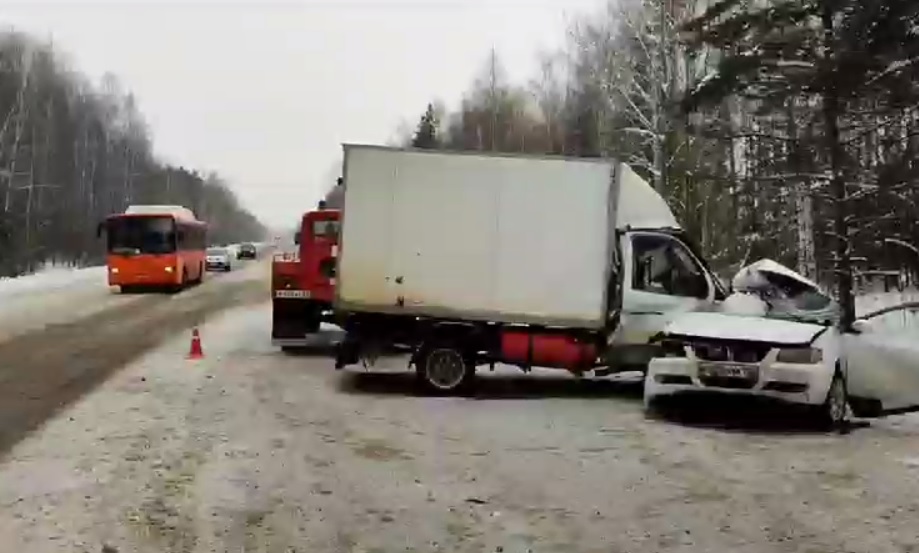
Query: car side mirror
(297, 238)
(860, 326)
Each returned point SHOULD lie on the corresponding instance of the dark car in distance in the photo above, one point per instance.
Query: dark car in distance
(247, 251)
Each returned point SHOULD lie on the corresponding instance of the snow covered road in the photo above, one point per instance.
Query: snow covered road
(253, 450)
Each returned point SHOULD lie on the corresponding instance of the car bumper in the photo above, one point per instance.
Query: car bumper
(792, 383)
(214, 266)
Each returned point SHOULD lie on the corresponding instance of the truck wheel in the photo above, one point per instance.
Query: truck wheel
(444, 370)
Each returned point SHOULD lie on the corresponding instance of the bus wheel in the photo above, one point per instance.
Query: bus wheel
(176, 288)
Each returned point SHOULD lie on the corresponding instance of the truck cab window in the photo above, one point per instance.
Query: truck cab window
(327, 229)
(662, 265)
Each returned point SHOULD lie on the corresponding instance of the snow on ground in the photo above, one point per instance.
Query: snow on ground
(52, 296)
(50, 279)
(252, 450)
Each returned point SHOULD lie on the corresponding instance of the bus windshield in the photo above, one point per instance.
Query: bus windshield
(138, 235)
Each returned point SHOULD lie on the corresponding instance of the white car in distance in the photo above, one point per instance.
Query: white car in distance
(869, 370)
(218, 259)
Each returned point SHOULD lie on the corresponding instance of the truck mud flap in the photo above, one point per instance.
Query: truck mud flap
(293, 319)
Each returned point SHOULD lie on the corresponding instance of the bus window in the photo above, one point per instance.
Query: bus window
(139, 235)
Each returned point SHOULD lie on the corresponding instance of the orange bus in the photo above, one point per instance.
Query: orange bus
(154, 247)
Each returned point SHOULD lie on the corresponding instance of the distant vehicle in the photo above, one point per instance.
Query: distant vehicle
(247, 251)
(158, 246)
(303, 282)
(219, 259)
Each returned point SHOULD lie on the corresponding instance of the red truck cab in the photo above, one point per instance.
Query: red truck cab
(303, 282)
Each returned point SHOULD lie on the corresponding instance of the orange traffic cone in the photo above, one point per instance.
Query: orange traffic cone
(195, 352)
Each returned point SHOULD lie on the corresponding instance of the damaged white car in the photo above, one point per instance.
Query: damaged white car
(776, 337)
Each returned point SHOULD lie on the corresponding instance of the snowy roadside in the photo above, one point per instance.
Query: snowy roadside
(106, 469)
(252, 450)
(50, 279)
(53, 296)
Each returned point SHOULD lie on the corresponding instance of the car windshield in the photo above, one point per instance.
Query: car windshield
(779, 295)
(140, 235)
(216, 251)
(793, 300)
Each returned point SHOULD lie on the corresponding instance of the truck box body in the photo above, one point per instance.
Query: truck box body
(487, 237)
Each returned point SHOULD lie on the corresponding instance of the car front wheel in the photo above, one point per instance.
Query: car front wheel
(834, 413)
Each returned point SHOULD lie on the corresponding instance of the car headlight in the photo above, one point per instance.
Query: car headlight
(800, 356)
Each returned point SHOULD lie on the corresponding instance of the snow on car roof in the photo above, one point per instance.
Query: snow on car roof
(770, 266)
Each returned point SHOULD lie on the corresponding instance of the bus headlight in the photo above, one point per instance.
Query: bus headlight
(169, 269)
(114, 270)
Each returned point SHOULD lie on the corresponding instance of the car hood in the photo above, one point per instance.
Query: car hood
(720, 326)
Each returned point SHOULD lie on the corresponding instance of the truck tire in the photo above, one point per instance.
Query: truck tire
(444, 369)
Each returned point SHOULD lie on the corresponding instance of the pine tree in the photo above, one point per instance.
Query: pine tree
(426, 135)
(830, 53)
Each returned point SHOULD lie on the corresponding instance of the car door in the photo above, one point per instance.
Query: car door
(661, 278)
(881, 354)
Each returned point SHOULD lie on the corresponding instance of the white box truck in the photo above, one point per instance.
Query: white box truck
(472, 259)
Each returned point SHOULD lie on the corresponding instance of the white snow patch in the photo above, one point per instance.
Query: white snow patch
(51, 278)
(800, 64)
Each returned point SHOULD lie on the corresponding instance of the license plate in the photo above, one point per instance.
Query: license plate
(292, 294)
(729, 370)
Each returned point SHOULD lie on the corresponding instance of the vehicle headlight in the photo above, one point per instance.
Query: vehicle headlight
(114, 270)
(800, 356)
(169, 269)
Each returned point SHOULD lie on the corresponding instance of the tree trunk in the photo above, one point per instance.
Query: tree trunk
(838, 192)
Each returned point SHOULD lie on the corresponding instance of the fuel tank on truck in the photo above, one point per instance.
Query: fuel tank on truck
(543, 349)
(488, 237)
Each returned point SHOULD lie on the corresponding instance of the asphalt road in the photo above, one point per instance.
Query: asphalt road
(60, 345)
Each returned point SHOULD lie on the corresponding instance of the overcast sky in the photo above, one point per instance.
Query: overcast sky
(264, 92)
